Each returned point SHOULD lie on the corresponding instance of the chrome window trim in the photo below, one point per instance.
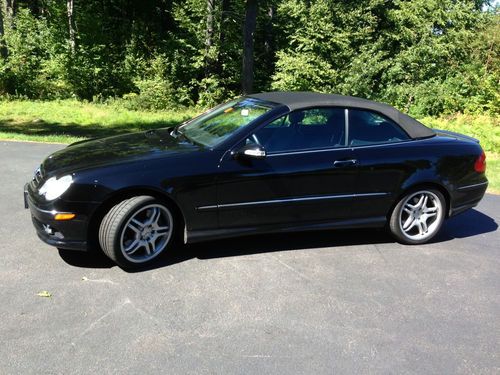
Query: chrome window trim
(211, 207)
(352, 148)
(288, 200)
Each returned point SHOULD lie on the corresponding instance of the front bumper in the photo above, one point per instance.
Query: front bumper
(71, 234)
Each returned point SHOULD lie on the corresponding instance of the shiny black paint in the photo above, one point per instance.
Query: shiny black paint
(116, 150)
(73, 230)
(204, 184)
(282, 177)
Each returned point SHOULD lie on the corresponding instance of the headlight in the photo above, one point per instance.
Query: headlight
(54, 187)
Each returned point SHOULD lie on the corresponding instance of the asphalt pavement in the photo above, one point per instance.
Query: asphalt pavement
(336, 302)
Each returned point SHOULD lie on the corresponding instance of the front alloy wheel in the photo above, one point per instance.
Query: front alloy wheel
(136, 230)
(418, 216)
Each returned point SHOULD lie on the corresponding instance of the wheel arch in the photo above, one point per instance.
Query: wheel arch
(421, 185)
(120, 195)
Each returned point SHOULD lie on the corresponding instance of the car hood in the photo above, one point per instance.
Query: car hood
(115, 150)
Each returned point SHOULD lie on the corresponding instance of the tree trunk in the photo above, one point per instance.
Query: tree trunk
(10, 7)
(10, 13)
(1, 19)
(226, 4)
(209, 36)
(3, 47)
(269, 32)
(248, 58)
(71, 27)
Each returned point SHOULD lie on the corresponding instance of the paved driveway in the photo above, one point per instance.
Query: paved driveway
(333, 302)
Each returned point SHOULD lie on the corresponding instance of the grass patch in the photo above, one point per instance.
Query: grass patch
(493, 173)
(485, 128)
(66, 121)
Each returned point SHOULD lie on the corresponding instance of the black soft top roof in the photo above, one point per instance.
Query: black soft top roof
(298, 100)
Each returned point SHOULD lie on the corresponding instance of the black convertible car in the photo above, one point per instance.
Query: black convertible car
(269, 162)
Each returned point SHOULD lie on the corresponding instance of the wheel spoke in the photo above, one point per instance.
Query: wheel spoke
(420, 201)
(135, 225)
(409, 206)
(411, 225)
(147, 245)
(423, 223)
(420, 227)
(162, 230)
(424, 203)
(430, 209)
(155, 215)
(132, 248)
(408, 222)
(152, 242)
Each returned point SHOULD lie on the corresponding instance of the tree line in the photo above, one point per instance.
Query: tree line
(427, 57)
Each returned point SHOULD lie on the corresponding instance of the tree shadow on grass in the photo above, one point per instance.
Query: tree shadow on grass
(43, 129)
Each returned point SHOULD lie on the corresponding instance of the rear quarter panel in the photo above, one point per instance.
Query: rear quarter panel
(443, 161)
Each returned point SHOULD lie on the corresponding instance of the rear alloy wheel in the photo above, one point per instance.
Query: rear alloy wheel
(418, 216)
(136, 230)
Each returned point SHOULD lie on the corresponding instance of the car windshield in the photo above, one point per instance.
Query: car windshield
(213, 127)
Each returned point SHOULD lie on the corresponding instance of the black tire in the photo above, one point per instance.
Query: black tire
(414, 225)
(120, 226)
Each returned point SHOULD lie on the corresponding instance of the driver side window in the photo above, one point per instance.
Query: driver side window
(307, 129)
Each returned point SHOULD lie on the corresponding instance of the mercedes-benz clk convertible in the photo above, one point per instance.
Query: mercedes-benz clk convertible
(269, 162)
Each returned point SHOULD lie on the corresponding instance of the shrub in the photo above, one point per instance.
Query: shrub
(34, 65)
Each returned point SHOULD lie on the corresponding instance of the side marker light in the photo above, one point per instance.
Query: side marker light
(62, 217)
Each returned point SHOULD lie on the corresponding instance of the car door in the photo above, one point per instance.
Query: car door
(307, 175)
(381, 148)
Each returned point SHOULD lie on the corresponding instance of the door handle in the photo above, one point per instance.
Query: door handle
(344, 163)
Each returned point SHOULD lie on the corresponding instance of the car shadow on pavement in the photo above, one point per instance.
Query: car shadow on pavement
(269, 243)
(265, 243)
(468, 224)
(92, 259)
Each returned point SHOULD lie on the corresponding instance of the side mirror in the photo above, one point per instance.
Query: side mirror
(251, 150)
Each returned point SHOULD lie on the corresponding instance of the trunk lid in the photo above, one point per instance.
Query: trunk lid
(447, 133)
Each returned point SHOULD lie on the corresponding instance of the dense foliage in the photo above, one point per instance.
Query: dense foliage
(427, 57)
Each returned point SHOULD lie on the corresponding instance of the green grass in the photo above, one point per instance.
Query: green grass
(485, 128)
(493, 173)
(67, 121)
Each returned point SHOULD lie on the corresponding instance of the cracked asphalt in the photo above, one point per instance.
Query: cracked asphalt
(306, 303)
